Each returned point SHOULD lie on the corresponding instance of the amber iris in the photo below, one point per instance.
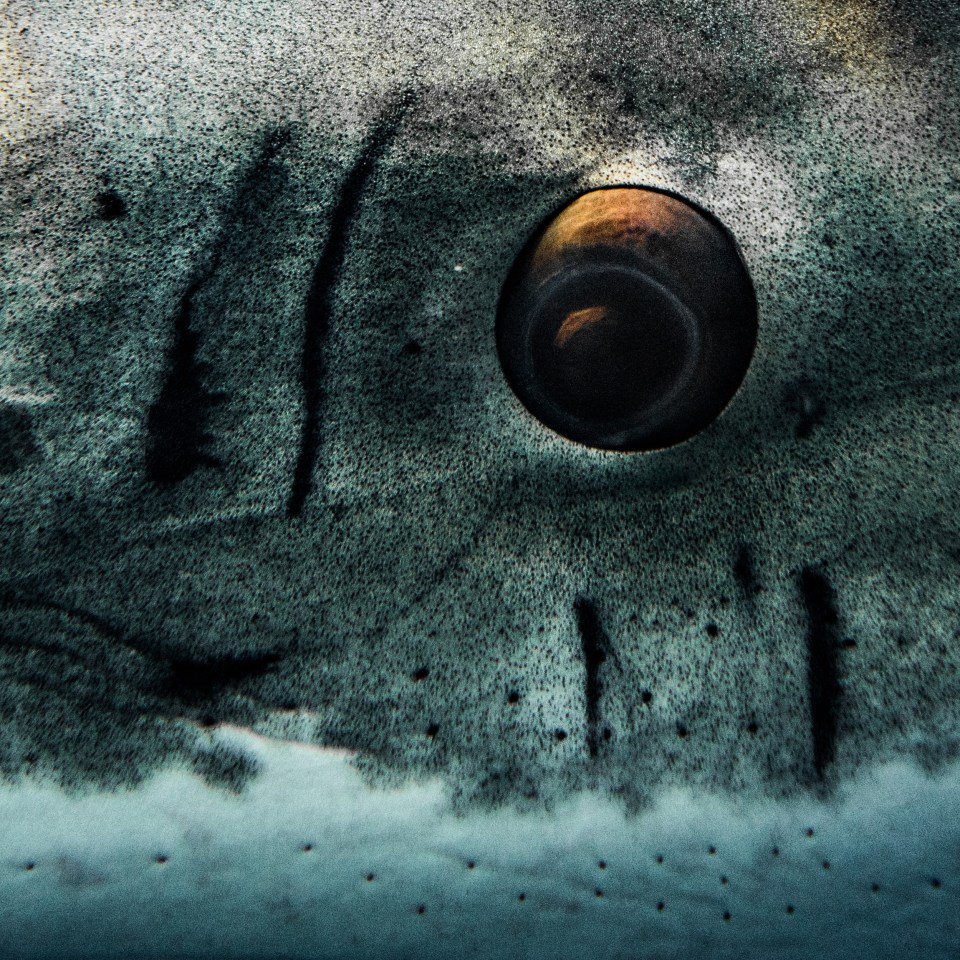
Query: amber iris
(628, 321)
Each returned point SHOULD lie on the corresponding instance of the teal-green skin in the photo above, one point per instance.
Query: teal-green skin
(260, 469)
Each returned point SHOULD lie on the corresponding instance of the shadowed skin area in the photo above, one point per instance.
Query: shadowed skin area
(260, 467)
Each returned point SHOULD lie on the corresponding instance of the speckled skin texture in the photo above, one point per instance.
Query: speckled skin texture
(259, 465)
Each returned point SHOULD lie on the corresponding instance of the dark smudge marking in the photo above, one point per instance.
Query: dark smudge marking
(822, 666)
(110, 205)
(201, 680)
(743, 570)
(806, 406)
(17, 444)
(319, 307)
(229, 768)
(596, 649)
(176, 438)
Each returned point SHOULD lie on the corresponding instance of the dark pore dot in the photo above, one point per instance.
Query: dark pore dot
(809, 831)
(875, 887)
(598, 892)
(711, 850)
(420, 674)
(513, 697)
(646, 697)
(724, 881)
(682, 731)
(521, 897)
(470, 864)
(752, 728)
(110, 205)
(712, 630)
(775, 852)
(560, 735)
(935, 883)
(659, 858)
(628, 321)
(371, 877)
(422, 908)
(790, 908)
(602, 864)
(307, 847)
(660, 906)
(726, 914)
(411, 348)
(161, 858)
(29, 866)
(826, 864)
(433, 730)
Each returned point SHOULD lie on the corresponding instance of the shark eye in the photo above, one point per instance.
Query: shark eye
(628, 321)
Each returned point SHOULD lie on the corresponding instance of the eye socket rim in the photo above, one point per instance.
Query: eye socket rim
(718, 375)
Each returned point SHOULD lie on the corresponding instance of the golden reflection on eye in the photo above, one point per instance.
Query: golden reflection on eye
(576, 321)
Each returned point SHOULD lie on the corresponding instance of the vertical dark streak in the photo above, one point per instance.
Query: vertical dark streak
(596, 647)
(175, 423)
(743, 569)
(319, 305)
(823, 666)
(176, 438)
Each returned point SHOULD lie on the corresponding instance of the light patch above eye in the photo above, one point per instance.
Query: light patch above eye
(629, 320)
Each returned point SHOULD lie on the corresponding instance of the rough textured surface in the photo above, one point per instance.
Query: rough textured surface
(259, 465)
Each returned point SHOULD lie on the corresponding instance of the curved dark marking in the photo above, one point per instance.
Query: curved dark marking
(822, 666)
(190, 680)
(11, 601)
(319, 307)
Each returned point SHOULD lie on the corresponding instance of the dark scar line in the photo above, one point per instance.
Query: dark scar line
(595, 646)
(176, 438)
(822, 666)
(319, 306)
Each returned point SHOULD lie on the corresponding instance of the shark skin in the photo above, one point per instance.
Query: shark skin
(315, 643)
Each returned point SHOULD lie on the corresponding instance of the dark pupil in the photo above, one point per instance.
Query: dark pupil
(610, 344)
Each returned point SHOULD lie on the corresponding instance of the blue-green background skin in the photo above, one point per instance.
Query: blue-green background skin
(191, 192)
